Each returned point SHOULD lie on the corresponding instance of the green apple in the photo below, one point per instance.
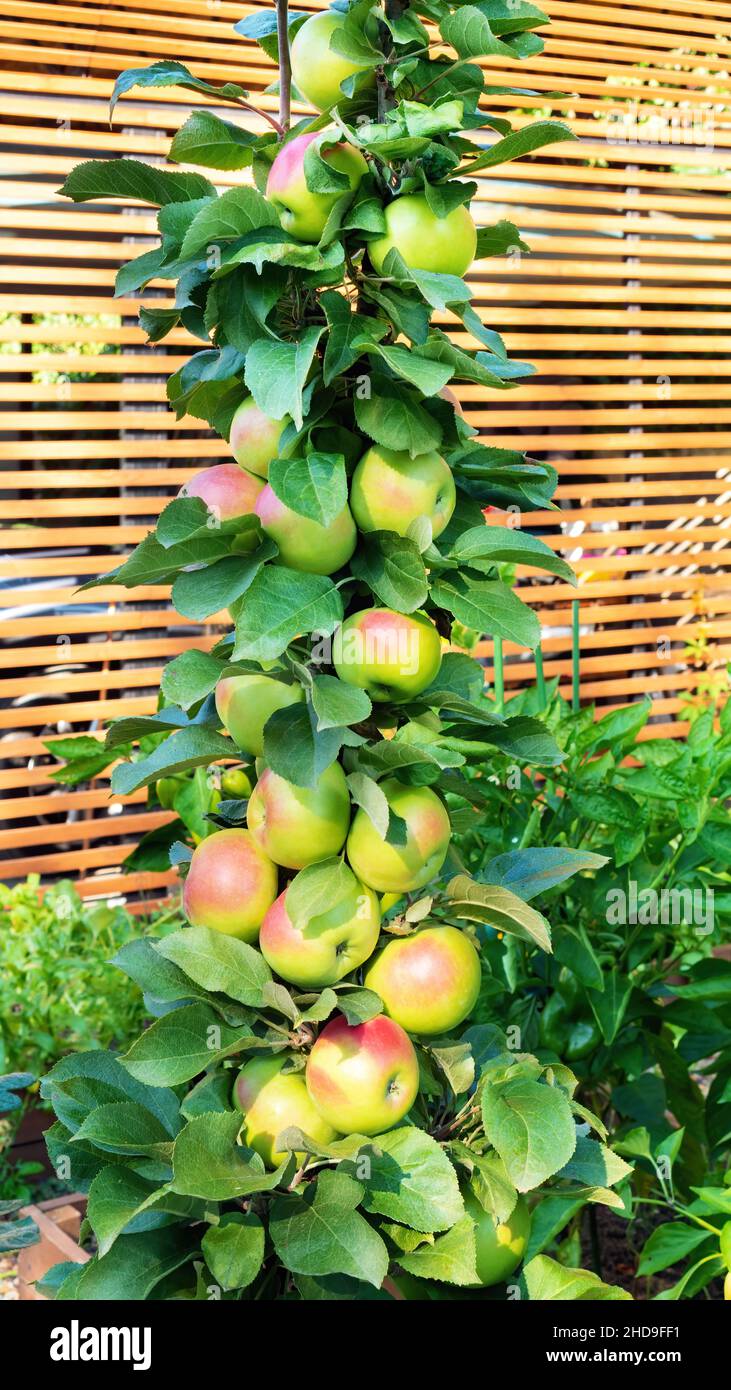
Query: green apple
(393, 656)
(317, 69)
(390, 490)
(400, 868)
(235, 783)
(302, 213)
(328, 946)
(501, 1245)
(363, 1079)
(231, 884)
(443, 245)
(297, 826)
(167, 789)
(305, 544)
(428, 982)
(271, 1101)
(254, 437)
(245, 704)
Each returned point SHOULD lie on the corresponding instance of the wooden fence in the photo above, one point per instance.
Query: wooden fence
(624, 305)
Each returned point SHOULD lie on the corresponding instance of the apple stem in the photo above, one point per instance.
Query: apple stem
(285, 65)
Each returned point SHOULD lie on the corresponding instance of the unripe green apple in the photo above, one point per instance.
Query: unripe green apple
(302, 213)
(327, 947)
(167, 789)
(363, 1079)
(500, 1245)
(317, 69)
(401, 868)
(305, 544)
(394, 656)
(297, 826)
(428, 982)
(231, 884)
(390, 490)
(254, 437)
(235, 783)
(245, 704)
(443, 245)
(271, 1102)
(230, 493)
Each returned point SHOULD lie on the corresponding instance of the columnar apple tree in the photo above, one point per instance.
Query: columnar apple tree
(311, 1114)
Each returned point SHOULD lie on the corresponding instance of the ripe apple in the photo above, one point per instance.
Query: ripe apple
(229, 493)
(401, 868)
(500, 1245)
(443, 245)
(328, 947)
(317, 69)
(428, 982)
(302, 213)
(254, 437)
(245, 703)
(231, 884)
(305, 544)
(389, 490)
(271, 1101)
(394, 656)
(363, 1079)
(297, 826)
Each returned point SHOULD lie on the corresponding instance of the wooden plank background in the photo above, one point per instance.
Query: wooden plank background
(624, 305)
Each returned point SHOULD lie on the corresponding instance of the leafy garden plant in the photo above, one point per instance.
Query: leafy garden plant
(635, 995)
(311, 1116)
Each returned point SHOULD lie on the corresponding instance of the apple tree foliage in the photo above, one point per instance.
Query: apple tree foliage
(178, 1208)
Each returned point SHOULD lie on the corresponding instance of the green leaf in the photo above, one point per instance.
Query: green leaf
(488, 606)
(315, 487)
(519, 142)
(187, 748)
(548, 1281)
(668, 1245)
(133, 1267)
(468, 31)
(411, 1180)
(349, 335)
(207, 1162)
(499, 240)
(234, 214)
(501, 543)
(276, 373)
(393, 415)
(595, 1165)
(499, 908)
(337, 704)
(427, 376)
(318, 889)
(234, 1249)
(198, 594)
(451, 1259)
(610, 1006)
(118, 1195)
(218, 962)
(97, 179)
(183, 1043)
(529, 872)
(359, 1005)
(189, 677)
(125, 1127)
(319, 1231)
(393, 569)
(281, 604)
(207, 140)
(365, 792)
(296, 750)
(531, 1126)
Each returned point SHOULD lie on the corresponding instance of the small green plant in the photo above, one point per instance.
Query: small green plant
(15, 1232)
(58, 991)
